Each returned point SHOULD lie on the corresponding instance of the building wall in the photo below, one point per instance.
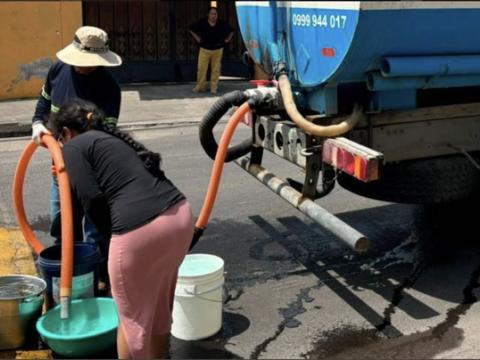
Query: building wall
(32, 32)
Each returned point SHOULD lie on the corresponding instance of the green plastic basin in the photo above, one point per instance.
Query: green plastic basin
(91, 328)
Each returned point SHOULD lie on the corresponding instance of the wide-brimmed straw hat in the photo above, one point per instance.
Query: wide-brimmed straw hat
(89, 48)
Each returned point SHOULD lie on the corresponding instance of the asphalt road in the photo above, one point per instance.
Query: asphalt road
(293, 290)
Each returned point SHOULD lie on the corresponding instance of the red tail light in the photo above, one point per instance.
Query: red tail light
(352, 158)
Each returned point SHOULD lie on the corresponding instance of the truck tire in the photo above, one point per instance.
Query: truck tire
(426, 181)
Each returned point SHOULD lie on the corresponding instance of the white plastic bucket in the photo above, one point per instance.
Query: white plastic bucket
(197, 308)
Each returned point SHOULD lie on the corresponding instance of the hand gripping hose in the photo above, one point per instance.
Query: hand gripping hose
(66, 271)
(216, 174)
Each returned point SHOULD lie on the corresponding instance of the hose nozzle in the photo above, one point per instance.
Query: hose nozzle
(64, 307)
(197, 234)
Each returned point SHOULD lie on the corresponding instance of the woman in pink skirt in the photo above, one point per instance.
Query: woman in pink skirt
(119, 184)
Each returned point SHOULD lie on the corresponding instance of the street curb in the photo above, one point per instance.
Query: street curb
(15, 129)
(10, 130)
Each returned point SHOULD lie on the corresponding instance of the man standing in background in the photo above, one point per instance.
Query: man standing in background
(211, 34)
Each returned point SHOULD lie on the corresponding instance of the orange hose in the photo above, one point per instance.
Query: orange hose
(218, 165)
(65, 208)
(66, 211)
(17, 195)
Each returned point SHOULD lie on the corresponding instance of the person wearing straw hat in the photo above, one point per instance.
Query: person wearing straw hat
(79, 73)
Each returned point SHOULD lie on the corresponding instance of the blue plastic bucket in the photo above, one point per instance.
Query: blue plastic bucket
(86, 259)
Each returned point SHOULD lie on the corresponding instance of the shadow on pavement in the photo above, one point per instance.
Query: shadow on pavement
(213, 347)
(406, 254)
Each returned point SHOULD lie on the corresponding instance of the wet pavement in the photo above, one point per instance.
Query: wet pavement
(293, 291)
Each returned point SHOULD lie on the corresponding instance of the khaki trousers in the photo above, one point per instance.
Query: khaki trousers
(206, 57)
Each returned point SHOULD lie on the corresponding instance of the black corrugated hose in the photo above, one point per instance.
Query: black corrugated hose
(213, 116)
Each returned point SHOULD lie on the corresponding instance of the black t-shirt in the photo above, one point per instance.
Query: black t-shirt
(112, 185)
(213, 37)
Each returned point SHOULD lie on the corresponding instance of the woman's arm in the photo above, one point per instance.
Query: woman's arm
(197, 38)
(229, 38)
(86, 189)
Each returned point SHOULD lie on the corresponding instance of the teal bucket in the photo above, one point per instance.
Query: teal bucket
(86, 259)
(90, 330)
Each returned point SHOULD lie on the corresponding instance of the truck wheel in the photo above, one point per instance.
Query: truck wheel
(426, 181)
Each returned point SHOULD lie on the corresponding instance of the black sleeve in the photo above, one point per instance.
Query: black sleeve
(228, 29)
(86, 189)
(44, 100)
(196, 27)
(77, 217)
(100, 215)
(112, 109)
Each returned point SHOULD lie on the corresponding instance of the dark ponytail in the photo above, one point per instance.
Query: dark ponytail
(81, 116)
(151, 160)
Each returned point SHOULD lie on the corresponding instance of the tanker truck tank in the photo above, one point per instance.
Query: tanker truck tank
(378, 52)
(380, 97)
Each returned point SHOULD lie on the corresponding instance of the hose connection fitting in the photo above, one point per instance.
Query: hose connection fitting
(279, 68)
(264, 98)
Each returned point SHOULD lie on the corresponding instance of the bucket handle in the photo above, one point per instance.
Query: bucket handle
(194, 293)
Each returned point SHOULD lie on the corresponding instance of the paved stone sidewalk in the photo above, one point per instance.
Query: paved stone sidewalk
(143, 105)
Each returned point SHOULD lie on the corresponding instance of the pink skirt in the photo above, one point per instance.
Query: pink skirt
(143, 266)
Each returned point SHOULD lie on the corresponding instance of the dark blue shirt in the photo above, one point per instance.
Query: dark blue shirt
(63, 83)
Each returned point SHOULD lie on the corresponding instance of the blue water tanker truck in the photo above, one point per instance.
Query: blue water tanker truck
(382, 97)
